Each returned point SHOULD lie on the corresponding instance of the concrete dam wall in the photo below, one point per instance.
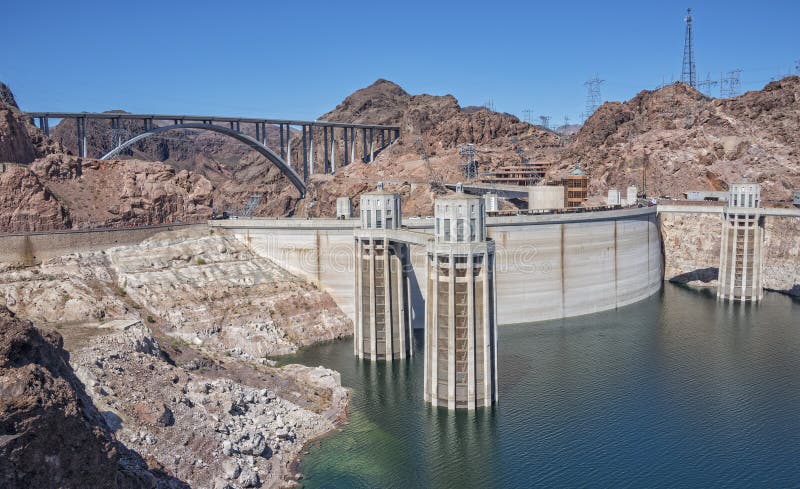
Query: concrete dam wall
(547, 266)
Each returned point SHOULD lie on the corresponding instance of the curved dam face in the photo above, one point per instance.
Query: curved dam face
(547, 266)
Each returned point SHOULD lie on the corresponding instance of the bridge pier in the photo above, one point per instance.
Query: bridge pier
(305, 154)
(460, 314)
(283, 149)
(383, 323)
(741, 251)
(333, 150)
(288, 145)
(364, 147)
(44, 125)
(352, 144)
(371, 145)
(80, 123)
(311, 148)
(325, 149)
(345, 156)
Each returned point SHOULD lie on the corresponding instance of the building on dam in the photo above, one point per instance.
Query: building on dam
(382, 326)
(461, 318)
(741, 251)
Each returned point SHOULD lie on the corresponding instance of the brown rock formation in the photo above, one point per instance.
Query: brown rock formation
(51, 435)
(689, 141)
(26, 204)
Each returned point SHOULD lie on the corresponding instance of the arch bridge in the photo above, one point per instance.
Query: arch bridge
(373, 137)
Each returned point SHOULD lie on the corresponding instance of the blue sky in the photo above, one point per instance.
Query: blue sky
(299, 59)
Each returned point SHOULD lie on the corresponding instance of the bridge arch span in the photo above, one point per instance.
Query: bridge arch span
(276, 160)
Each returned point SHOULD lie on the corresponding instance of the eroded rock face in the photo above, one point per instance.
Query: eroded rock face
(208, 432)
(687, 141)
(692, 248)
(51, 434)
(216, 294)
(15, 143)
(26, 204)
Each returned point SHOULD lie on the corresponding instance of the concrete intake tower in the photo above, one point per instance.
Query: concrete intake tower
(741, 251)
(382, 326)
(460, 313)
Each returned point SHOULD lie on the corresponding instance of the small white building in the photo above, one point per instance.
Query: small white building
(543, 197)
(631, 195)
(344, 209)
(614, 197)
(796, 199)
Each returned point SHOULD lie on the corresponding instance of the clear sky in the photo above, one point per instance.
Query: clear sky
(299, 59)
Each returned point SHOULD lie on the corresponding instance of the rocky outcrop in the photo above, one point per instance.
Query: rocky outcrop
(210, 432)
(51, 434)
(212, 292)
(108, 193)
(683, 140)
(692, 248)
(26, 204)
(201, 404)
(15, 143)
(6, 97)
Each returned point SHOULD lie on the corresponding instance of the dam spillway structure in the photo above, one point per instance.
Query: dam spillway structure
(382, 325)
(460, 314)
(741, 250)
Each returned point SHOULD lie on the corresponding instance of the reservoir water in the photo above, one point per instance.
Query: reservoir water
(676, 391)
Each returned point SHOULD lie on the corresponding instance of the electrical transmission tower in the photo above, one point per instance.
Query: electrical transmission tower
(729, 84)
(470, 166)
(526, 115)
(688, 74)
(251, 205)
(434, 179)
(706, 85)
(545, 120)
(592, 95)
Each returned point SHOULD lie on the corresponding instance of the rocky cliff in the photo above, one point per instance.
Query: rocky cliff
(171, 340)
(680, 140)
(51, 434)
(672, 139)
(692, 248)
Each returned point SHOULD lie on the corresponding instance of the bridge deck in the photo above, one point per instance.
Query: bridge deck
(203, 118)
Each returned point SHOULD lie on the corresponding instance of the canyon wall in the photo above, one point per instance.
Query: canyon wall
(691, 250)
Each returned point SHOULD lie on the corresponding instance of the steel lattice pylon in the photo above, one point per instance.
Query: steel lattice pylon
(688, 73)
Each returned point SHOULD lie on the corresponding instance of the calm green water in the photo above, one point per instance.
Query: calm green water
(675, 391)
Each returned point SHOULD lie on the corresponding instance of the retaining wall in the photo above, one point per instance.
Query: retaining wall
(29, 248)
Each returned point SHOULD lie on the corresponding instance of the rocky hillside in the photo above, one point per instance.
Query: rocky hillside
(675, 137)
(51, 433)
(435, 125)
(171, 340)
(684, 140)
(42, 188)
(234, 170)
